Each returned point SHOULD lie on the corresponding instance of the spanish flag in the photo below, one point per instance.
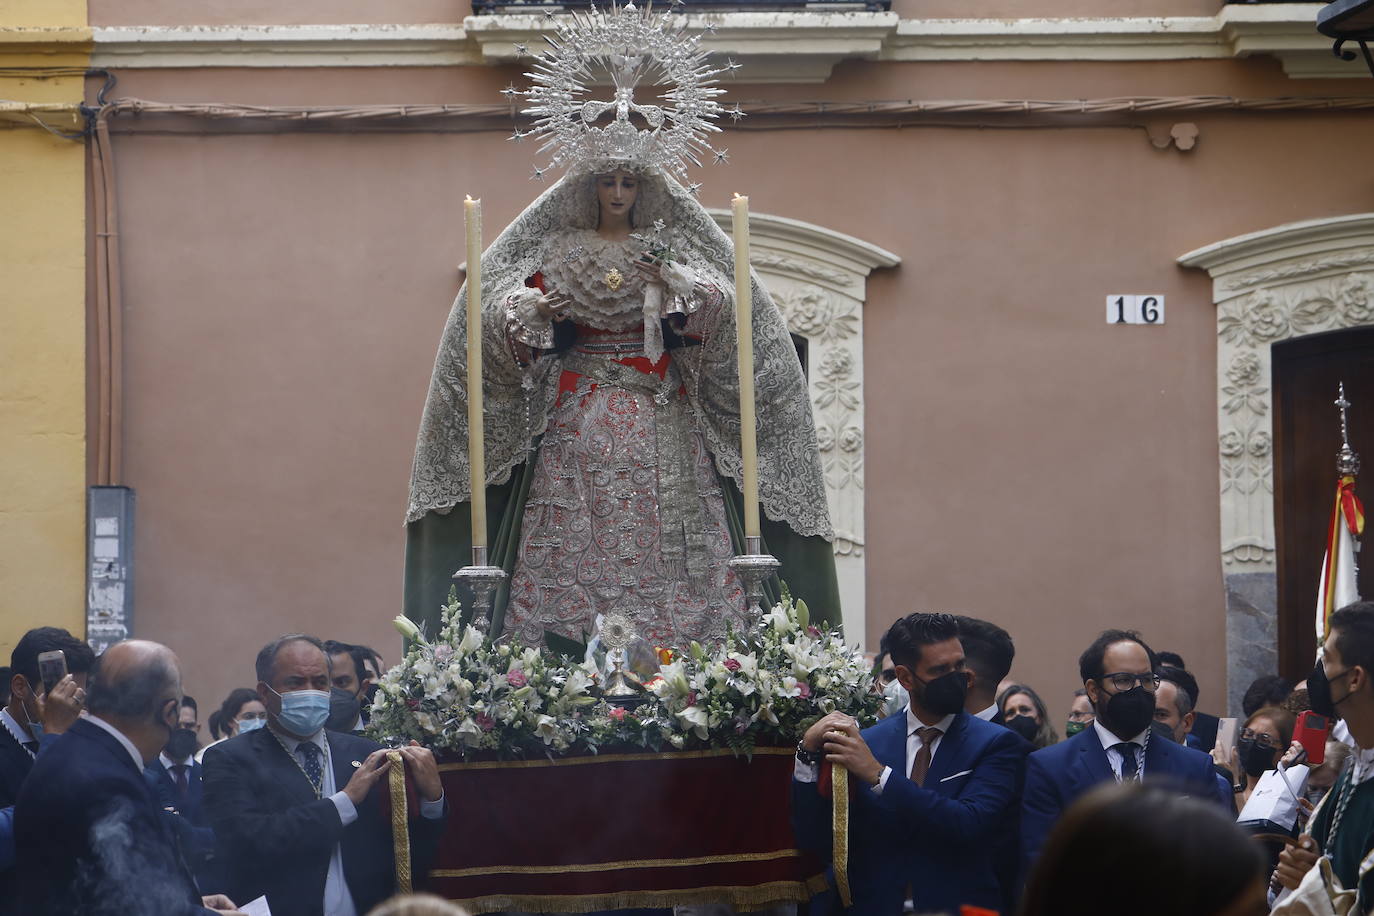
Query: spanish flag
(1338, 587)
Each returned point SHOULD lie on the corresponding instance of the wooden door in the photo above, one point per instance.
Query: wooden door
(1307, 436)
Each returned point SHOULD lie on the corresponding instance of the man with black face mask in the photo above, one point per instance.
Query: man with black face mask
(932, 788)
(175, 780)
(1118, 672)
(347, 681)
(1340, 687)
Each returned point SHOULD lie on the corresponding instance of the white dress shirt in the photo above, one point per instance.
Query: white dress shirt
(123, 739)
(804, 772)
(987, 714)
(168, 762)
(338, 900)
(1114, 756)
(17, 731)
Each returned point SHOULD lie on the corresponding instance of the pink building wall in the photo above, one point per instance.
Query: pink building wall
(1026, 463)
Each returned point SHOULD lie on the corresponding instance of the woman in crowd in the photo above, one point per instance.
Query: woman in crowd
(1081, 713)
(1137, 850)
(1267, 734)
(1021, 710)
(241, 711)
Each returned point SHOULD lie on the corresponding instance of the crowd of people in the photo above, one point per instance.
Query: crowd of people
(962, 795)
(966, 796)
(110, 805)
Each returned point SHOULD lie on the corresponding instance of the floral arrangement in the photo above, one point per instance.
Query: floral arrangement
(472, 696)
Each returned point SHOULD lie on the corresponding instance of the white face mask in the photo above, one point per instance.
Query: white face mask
(251, 725)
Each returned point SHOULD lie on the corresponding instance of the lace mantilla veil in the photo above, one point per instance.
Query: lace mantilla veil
(517, 401)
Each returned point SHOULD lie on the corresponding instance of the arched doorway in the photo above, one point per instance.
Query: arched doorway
(1272, 286)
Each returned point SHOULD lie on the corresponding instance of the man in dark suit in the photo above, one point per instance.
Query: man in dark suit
(1119, 674)
(90, 838)
(932, 786)
(302, 813)
(31, 720)
(176, 783)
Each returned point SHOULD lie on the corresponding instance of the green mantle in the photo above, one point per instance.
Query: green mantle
(438, 545)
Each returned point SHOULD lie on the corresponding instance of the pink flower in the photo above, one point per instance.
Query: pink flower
(805, 689)
(484, 721)
(413, 704)
(813, 630)
(731, 665)
(516, 678)
(617, 714)
(692, 698)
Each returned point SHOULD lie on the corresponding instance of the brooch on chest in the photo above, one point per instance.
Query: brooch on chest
(614, 279)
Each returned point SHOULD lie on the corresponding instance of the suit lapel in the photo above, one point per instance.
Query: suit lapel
(948, 757)
(1158, 756)
(275, 757)
(887, 740)
(1092, 760)
(342, 761)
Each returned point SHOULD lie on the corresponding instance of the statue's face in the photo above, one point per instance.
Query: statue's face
(616, 192)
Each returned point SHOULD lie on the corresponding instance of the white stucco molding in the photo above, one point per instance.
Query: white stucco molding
(1286, 30)
(818, 278)
(1269, 286)
(774, 47)
(282, 46)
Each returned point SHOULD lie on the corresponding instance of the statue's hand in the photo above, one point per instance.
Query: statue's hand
(553, 306)
(651, 267)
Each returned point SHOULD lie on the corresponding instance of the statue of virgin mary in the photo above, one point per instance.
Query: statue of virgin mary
(611, 413)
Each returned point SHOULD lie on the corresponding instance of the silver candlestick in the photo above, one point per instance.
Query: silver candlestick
(482, 579)
(753, 566)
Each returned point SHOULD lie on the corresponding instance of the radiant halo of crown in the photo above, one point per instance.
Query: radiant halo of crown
(631, 47)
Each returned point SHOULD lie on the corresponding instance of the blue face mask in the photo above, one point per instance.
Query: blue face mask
(251, 725)
(303, 712)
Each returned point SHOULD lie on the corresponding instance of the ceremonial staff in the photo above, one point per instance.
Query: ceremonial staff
(1339, 584)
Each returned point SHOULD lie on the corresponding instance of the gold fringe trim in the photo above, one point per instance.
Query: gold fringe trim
(744, 898)
(613, 866)
(839, 827)
(610, 758)
(400, 828)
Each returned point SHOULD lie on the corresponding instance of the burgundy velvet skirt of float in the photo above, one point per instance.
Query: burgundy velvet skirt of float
(624, 511)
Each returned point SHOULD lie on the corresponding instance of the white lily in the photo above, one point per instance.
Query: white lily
(547, 728)
(748, 664)
(578, 683)
(471, 641)
(696, 719)
(407, 628)
(468, 732)
(674, 685)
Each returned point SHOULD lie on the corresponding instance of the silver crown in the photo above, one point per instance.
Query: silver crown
(631, 46)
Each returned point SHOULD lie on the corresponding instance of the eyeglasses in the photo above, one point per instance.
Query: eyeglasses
(1125, 681)
(1263, 739)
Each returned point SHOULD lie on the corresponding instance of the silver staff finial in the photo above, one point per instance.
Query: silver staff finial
(1347, 460)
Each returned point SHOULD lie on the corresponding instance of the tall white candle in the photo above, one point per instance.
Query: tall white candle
(744, 324)
(477, 462)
